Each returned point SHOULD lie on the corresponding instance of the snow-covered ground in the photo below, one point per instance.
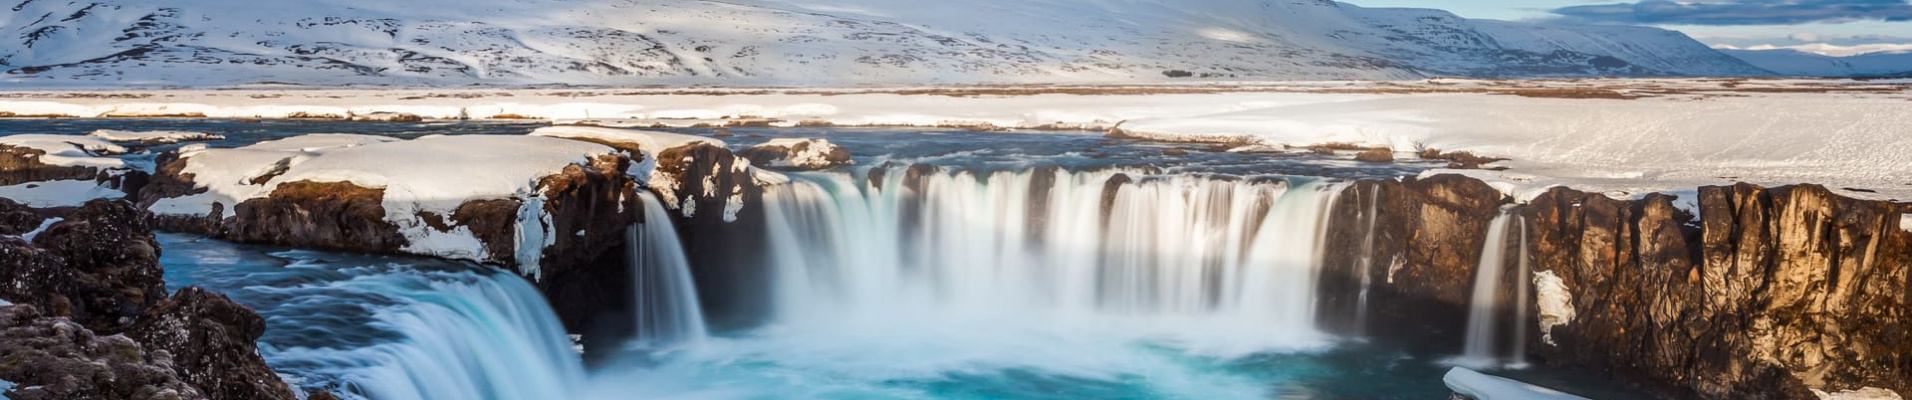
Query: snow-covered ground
(1625, 138)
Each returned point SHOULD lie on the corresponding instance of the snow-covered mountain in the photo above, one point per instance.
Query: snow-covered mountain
(782, 42)
(1799, 63)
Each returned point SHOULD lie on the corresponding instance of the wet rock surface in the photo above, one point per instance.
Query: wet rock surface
(1422, 239)
(718, 204)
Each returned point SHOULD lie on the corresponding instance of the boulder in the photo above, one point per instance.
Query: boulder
(797, 154)
(52, 358)
(213, 344)
(1376, 155)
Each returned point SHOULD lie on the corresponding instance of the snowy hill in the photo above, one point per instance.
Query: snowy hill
(782, 42)
(1799, 63)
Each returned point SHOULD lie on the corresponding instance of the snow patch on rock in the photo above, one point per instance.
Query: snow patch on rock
(70, 151)
(1556, 304)
(460, 169)
(152, 137)
(1481, 386)
(68, 193)
(48, 223)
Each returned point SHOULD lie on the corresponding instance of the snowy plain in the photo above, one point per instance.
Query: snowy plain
(1625, 138)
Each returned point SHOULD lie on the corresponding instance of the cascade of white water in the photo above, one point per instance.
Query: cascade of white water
(460, 335)
(1521, 299)
(667, 311)
(1367, 261)
(1479, 350)
(1200, 251)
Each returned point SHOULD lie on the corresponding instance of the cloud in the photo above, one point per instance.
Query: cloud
(1829, 49)
(1740, 12)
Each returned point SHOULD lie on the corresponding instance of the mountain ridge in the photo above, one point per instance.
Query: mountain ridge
(776, 42)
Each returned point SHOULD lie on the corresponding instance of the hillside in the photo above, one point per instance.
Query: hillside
(1799, 63)
(115, 43)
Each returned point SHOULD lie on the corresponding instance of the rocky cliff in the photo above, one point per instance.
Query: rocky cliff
(1765, 293)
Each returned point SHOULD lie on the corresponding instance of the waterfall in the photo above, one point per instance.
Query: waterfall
(1480, 348)
(1521, 299)
(666, 311)
(455, 335)
(1191, 258)
(1367, 260)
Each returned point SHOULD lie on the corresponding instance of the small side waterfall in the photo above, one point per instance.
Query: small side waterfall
(1480, 351)
(1225, 259)
(1367, 261)
(667, 311)
(1521, 299)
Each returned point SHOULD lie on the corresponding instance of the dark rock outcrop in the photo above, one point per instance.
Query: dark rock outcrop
(719, 204)
(97, 273)
(99, 267)
(212, 342)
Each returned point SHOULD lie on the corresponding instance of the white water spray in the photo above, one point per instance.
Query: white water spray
(1224, 265)
(1480, 347)
(667, 311)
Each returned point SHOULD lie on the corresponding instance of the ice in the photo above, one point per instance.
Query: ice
(1488, 387)
(1556, 304)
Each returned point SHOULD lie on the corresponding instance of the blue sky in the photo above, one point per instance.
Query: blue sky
(1836, 27)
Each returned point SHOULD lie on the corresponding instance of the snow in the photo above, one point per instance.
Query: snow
(1868, 393)
(650, 142)
(171, 43)
(48, 223)
(152, 137)
(814, 155)
(70, 193)
(1686, 133)
(1556, 304)
(460, 169)
(1488, 387)
(70, 151)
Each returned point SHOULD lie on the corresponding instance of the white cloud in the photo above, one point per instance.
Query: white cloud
(1829, 49)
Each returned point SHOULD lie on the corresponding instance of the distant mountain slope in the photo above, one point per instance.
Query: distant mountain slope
(1799, 63)
(635, 42)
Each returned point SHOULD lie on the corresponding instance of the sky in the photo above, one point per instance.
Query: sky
(1831, 27)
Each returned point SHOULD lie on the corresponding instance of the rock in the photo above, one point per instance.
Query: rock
(1460, 159)
(384, 116)
(797, 154)
(1175, 152)
(1768, 293)
(213, 344)
(1426, 241)
(1375, 155)
(16, 218)
(97, 271)
(338, 216)
(99, 267)
(51, 358)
